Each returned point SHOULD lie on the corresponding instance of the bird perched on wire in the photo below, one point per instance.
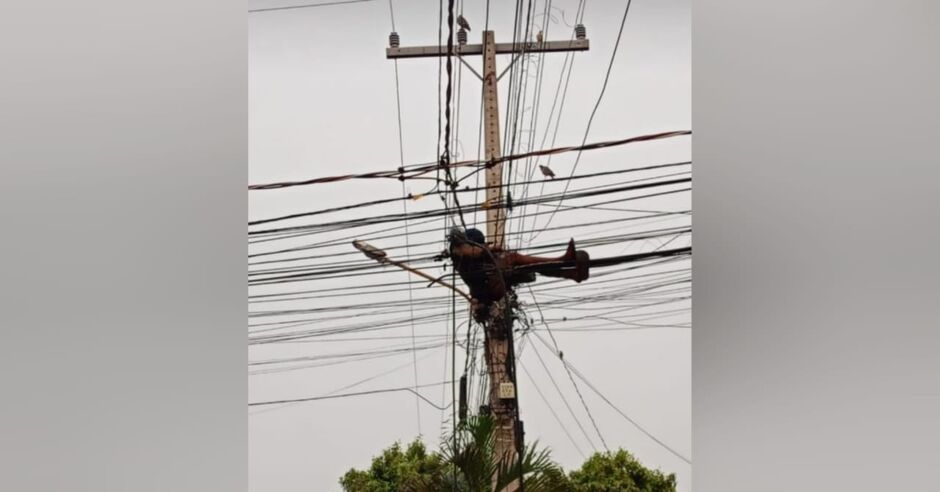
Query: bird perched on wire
(539, 37)
(463, 22)
(546, 171)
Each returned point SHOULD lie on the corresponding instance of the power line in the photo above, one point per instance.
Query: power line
(412, 197)
(401, 156)
(648, 216)
(348, 386)
(600, 97)
(564, 400)
(576, 389)
(358, 393)
(418, 171)
(618, 410)
(579, 14)
(381, 219)
(552, 410)
(306, 6)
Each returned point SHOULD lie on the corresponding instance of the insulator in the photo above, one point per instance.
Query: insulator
(394, 40)
(580, 31)
(462, 36)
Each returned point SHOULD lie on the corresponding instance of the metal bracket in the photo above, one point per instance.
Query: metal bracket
(470, 68)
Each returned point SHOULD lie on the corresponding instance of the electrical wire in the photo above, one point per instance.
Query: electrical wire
(597, 104)
(417, 171)
(609, 403)
(305, 6)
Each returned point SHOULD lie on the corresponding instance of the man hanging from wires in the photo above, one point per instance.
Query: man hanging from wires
(490, 271)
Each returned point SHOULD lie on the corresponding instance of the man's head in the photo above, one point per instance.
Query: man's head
(472, 236)
(476, 236)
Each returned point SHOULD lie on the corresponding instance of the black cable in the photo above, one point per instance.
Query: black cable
(565, 400)
(347, 395)
(436, 243)
(380, 219)
(419, 171)
(618, 410)
(600, 97)
(303, 274)
(310, 5)
(459, 190)
(575, 385)
(553, 412)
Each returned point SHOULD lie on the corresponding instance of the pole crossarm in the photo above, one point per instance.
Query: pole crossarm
(477, 49)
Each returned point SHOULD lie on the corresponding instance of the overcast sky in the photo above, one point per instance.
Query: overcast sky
(322, 102)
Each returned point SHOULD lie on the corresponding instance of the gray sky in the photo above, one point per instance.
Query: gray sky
(322, 102)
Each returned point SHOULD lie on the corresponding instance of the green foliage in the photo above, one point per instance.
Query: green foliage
(620, 472)
(396, 470)
(473, 454)
(468, 463)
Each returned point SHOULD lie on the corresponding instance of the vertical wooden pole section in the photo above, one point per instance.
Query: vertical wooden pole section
(499, 326)
(495, 215)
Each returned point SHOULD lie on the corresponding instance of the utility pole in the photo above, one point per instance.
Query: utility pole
(499, 350)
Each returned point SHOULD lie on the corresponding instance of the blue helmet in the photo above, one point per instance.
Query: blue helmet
(476, 236)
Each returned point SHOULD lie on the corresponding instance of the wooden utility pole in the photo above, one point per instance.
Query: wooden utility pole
(498, 351)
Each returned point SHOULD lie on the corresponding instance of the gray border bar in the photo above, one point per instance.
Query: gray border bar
(123, 206)
(815, 297)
